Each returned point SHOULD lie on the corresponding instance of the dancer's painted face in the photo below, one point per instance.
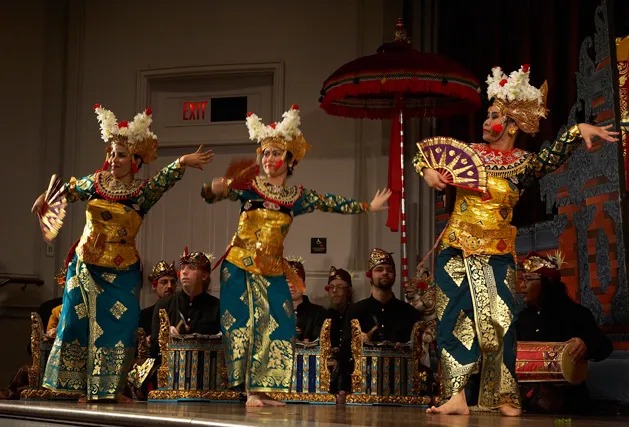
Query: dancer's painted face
(120, 161)
(272, 162)
(495, 125)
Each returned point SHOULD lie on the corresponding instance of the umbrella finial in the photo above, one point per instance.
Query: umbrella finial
(400, 31)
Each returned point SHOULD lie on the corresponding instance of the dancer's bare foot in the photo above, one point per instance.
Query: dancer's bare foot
(253, 400)
(261, 399)
(82, 399)
(341, 397)
(510, 411)
(457, 405)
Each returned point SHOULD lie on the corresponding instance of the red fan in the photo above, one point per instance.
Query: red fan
(455, 160)
(54, 210)
(242, 171)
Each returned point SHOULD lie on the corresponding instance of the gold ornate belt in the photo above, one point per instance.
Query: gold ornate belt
(478, 231)
(267, 263)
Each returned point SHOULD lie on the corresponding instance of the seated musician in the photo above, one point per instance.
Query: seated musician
(163, 280)
(382, 316)
(191, 309)
(551, 315)
(309, 317)
(339, 290)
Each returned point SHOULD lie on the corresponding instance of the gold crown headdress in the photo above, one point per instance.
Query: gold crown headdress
(135, 135)
(545, 265)
(379, 256)
(536, 261)
(201, 260)
(516, 98)
(285, 135)
(162, 269)
(293, 268)
(295, 258)
(341, 274)
(296, 263)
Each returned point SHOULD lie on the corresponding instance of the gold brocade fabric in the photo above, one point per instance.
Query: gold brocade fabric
(258, 245)
(108, 238)
(258, 332)
(481, 222)
(475, 327)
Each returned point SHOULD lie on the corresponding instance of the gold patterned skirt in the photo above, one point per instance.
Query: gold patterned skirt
(258, 325)
(96, 336)
(476, 333)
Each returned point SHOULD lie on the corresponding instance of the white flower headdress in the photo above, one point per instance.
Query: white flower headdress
(285, 134)
(136, 135)
(517, 98)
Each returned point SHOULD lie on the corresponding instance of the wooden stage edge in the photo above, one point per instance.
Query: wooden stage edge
(39, 413)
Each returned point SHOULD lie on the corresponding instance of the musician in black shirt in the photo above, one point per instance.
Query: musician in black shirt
(309, 317)
(339, 289)
(551, 315)
(191, 309)
(382, 316)
(163, 279)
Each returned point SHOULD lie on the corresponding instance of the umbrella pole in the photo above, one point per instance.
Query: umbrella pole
(404, 260)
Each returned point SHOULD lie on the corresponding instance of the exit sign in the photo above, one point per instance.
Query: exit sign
(194, 110)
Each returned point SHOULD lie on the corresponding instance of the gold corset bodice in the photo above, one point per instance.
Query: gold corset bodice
(108, 238)
(258, 245)
(481, 222)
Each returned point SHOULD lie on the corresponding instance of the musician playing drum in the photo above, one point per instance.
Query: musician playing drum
(551, 315)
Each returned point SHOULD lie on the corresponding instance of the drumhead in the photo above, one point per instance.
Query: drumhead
(573, 372)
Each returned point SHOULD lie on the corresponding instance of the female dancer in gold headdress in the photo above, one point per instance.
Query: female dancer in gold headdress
(96, 339)
(257, 317)
(475, 269)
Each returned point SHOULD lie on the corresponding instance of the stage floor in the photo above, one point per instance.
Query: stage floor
(24, 413)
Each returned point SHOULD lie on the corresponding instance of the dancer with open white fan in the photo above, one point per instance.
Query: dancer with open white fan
(96, 341)
(53, 209)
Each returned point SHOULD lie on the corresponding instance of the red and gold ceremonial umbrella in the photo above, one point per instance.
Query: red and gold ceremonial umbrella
(397, 82)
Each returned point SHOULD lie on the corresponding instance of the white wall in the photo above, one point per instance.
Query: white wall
(77, 53)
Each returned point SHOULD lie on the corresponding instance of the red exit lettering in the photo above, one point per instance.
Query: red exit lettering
(194, 110)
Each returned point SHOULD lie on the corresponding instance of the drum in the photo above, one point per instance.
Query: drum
(548, 362)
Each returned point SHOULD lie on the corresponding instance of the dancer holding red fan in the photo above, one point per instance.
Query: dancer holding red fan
(257, 317)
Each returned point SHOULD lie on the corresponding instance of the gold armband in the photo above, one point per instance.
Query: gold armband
(573, 133)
